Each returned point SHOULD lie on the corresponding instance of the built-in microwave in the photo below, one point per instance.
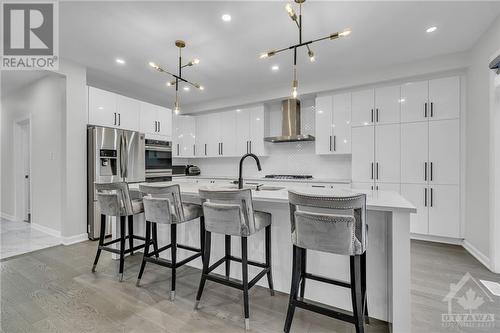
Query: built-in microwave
(158, 156)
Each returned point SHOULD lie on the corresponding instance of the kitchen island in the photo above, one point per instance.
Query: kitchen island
(388, 252)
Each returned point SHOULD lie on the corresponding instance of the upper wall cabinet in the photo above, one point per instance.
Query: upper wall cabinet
(128, 110)
(251, 140)
(430, 100)
(156, 121)
(363, 110)
(184, 136)
(102, 108)
(387, 105)
(333, 128)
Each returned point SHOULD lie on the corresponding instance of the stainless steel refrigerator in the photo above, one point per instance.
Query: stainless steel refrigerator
(112, 155)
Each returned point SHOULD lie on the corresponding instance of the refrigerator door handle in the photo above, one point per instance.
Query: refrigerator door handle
(124, 156)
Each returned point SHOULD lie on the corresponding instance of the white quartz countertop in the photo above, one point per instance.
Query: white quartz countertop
(375, 200)
(262, 179)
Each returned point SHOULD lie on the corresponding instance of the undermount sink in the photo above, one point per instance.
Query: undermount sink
(258, 188)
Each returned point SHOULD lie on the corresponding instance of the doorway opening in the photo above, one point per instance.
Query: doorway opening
(22, 153)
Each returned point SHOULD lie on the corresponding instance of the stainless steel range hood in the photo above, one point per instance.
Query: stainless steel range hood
(290, 130)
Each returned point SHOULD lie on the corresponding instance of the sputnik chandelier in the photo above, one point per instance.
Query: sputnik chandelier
(310, 53)
(180, 44)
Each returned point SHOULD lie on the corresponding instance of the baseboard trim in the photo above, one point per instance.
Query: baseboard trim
(8, 217)
(46, 230)
(437, 239)
(483, 259)
(74, 239)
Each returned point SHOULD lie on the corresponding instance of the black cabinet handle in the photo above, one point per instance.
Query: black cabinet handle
(330, 143)
(377, 169)
(222, 148)
(115, 119)
(432, 192)
(119, 119)
(159, 126)
(194, 150)
(377, 114)
(425, 197)
(250, 146)
(432, 172)
(372, 116)
(177, 149)
(318, 186)
(205, 149)
(372, 170)
(425, 110)
(334, 143)
(425, 171)
(432, 109)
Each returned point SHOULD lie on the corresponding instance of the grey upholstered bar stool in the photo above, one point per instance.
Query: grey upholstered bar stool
(115, 199)
(163, 205)
(339, 228)
(231, 213)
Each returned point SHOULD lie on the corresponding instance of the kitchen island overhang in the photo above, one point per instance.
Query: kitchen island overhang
(388, 251)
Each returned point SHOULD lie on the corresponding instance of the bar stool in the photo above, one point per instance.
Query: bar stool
(163, 205)
(333, 232)
(231, 213)
(115, 199)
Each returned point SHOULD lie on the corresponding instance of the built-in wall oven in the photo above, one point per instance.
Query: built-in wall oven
(158, 155)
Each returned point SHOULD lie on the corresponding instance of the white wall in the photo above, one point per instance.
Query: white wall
(74, 124)
(478, 178)
(43, 102)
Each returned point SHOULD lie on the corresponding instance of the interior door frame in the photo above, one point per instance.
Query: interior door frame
(19, 189)
(494, 189)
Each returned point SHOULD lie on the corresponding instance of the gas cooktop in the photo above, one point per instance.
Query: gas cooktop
(288, 176)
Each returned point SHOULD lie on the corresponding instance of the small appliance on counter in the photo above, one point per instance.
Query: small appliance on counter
(192, 170)
(179, 170)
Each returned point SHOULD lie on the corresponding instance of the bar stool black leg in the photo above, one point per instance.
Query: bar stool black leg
(155, 240)
(228, 254)
(244, 269)
(146, 252)
(173, 241)
(303, 264)
(206, 263)
(269, 260)
(122, 245)
(363, 287)
(131, 234)
(296, 261)
(102, 234)
(356, 293)
(202, 236)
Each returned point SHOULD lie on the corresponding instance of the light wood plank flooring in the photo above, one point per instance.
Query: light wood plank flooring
(53, 290)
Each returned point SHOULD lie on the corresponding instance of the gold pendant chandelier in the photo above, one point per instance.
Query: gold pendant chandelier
(178, 77)
(310, 53)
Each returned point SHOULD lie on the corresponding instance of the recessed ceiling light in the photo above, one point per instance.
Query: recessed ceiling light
(431, 29)
(226, 18)
(238, 110)
(120, 61)
(275, 68)
(186, 88)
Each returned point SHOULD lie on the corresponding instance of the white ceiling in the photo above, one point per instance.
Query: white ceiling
(384, 34)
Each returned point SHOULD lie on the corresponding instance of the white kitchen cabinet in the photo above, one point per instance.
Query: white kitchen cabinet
(414, 152)
(444, 210)
(227, 133)
(363, 154)
(362, 109)
(156, 121)
(418, 195)
(250, 130)
(333, 124)
(444, 152)
(184, 137)
(128, 110)
(203, 136)
(102, 108)
(112, 110)
(387, 153)
(444, 98)
(414, 100)
(323, 124)
(387, 105)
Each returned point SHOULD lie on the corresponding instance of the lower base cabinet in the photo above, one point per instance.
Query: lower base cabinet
(438, 209)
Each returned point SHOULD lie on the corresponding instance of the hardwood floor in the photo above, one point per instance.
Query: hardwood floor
(53, 290)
